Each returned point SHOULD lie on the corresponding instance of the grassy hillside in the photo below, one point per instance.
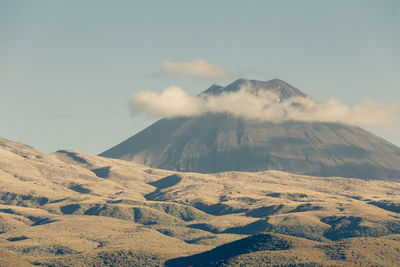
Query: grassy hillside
(278, 250)
(68, 208)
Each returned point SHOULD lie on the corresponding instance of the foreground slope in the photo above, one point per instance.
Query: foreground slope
(217, 142)
(278, 250)
(68, 208)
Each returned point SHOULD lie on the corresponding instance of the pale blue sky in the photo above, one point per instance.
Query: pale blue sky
(69, 68)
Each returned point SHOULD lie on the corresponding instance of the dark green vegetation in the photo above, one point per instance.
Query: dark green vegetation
(72, 209)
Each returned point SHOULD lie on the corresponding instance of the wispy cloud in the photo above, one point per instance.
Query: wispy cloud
(196, 68)
(266, 106)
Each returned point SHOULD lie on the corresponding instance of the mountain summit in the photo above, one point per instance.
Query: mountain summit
(216, 142)
(279, 87)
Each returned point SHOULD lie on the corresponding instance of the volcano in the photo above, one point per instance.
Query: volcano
(217, 142)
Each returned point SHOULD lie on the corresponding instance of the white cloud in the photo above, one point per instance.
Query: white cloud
(196, 68)
(266, 106)
(172, 102)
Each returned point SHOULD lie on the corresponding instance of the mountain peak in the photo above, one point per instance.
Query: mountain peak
(218, 141)
(281, 88)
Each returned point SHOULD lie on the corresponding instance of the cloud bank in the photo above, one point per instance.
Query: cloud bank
(267, 106)
(196, 68)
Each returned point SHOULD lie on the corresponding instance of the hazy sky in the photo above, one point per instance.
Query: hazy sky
(68, 69)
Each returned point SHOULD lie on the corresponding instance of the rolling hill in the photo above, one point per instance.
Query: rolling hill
(69, 208)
